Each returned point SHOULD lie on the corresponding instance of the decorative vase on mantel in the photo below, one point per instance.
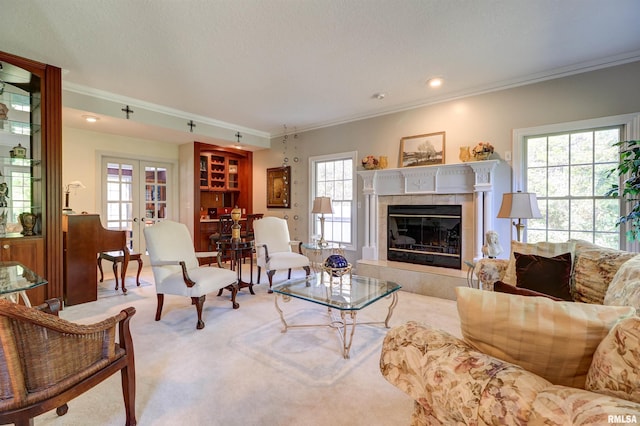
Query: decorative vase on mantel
(465, 154)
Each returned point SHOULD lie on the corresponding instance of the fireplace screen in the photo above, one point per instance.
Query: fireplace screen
(427, 235)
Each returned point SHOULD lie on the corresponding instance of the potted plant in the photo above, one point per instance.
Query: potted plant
(629, 170)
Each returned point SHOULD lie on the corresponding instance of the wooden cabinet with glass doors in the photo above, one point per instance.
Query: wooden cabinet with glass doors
(30, 170)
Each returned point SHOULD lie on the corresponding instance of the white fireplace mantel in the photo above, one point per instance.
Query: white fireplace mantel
(477, 178)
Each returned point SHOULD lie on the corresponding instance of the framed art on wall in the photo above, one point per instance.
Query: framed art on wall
(278, 187)
(422, 150)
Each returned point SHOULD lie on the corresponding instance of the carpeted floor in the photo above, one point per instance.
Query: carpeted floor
(241, 369)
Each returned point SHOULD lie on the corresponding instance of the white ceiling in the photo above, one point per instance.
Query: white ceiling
(258, 65)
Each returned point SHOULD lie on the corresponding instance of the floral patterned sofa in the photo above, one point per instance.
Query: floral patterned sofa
(529, 360)
(452, 383)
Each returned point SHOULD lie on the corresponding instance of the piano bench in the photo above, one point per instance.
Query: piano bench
(116, 257)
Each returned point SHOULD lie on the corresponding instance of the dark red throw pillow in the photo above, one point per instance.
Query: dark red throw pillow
(548, 275)
(501, 287)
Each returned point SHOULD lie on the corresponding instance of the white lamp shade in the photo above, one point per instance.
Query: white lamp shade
(520, 205)
(322, 205)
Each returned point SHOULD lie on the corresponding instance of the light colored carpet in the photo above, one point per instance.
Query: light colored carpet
(240, 369)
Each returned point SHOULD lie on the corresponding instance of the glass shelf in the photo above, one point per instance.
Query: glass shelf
(24, 162)
(18, 101)
(19, 128)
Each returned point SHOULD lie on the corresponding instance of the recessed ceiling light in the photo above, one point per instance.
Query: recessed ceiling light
(90, 118)
(379, 96)
(435, 82)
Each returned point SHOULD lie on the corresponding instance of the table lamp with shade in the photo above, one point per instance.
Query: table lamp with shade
(322, 206)
(519, 205)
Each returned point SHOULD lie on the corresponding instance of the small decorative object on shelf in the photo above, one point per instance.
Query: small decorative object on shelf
(18, 152)
(28, 222)
(4, 110)
(465, 154)
(482, 151)
(384, 162)
(236, 213)
(336, 266)
(370, 162)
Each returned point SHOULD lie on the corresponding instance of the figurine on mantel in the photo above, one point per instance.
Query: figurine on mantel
(492, 247)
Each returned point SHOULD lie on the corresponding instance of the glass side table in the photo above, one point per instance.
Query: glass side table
(317, 253)
(471, 268)
(16, 279)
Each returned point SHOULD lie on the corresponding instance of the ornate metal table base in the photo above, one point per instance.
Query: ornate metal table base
(345, 323)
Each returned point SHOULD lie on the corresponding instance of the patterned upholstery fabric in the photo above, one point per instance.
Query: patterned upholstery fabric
(594, 269)
(489, 271)
(452, 383)
(614, 370)
(624, 289)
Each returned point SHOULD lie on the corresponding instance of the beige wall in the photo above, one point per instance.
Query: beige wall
(80, 157)
(488, 117)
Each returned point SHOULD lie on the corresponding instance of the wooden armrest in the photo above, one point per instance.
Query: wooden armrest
(51, 306)
(298, 243)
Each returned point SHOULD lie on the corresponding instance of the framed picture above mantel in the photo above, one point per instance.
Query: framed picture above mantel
(422, 150)
(278, 187)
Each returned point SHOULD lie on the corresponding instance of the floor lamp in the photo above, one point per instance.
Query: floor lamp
(519, 205)
(322, 205)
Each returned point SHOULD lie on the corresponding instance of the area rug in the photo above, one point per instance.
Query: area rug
(312, 354)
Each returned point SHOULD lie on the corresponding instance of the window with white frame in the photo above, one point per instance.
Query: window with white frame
(566, 166)
(333, 176)
(568, 173)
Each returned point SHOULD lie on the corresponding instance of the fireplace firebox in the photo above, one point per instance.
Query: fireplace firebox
(425, 234)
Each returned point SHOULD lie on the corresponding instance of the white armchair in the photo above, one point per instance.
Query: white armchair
(273, 248)
(176, 269)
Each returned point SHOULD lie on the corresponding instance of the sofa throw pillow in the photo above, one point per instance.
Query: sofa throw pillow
(593, 270)
(614, 369)
(624, 289)
(502, 287)
(544, 248)
(555, 340)
(548, 275)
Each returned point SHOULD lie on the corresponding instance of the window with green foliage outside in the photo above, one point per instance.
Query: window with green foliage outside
(568, 173)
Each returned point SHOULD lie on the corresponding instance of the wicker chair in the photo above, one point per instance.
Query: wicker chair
(47, 361)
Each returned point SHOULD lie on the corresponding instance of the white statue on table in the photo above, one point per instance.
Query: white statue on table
(492, 247)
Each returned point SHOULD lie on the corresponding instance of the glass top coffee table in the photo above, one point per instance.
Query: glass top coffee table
(347, 295)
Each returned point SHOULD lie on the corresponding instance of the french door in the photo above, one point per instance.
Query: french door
(136, 193)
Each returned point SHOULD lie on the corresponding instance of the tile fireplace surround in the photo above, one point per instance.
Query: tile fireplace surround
(476, 186)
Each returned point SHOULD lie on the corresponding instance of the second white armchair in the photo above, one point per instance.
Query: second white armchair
(273, 248)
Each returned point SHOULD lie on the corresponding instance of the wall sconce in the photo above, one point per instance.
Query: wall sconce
(519, 205)
(322, 205)
(67, 189)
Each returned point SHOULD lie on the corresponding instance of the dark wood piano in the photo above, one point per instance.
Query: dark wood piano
(83, 238)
